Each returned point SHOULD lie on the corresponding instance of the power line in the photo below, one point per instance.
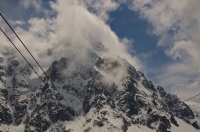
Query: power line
(191, 97)
(20, 53)
(36, 62)
(22, 43)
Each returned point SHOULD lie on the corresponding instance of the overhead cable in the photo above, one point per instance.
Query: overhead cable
(21, 53)
(23, 43)
(191, 97)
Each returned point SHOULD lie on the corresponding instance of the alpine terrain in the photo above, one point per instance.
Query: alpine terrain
(108, 95)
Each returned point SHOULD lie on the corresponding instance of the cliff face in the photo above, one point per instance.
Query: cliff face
(90, 98)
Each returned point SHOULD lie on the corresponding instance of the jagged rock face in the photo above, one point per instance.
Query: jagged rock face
(5, 113)
(19, 90)
(55, 71)
(97, 96)
(47, 107)
(60, 102)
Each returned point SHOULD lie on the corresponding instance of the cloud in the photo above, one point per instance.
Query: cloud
(37, 4)
(17, 22)
(181, 50)
(101, 7)
(181, 78)
(74, 32)
(177, 23)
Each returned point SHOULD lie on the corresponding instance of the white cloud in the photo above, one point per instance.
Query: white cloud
(177, 23)
(181, 50)
(17, 22)
(75, 33)
(163, 15)
(182, 78)
(37, 4)
(101, 7)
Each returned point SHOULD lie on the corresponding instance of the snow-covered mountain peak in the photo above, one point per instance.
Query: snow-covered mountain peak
(106, 94)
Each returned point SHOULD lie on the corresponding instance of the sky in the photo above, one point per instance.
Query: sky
(159, 37)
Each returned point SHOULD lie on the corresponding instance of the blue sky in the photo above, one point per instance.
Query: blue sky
(162, 36)
(127, 23)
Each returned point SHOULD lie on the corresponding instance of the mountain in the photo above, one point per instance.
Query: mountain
(108, 95)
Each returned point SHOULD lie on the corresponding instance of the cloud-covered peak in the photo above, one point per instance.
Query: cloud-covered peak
(73, 32)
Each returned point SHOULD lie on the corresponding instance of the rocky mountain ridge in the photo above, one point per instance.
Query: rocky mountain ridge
(91, 98)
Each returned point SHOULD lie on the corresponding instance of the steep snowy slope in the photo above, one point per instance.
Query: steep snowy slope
(107, 94)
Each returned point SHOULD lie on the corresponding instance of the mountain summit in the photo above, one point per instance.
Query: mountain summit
(107, 95)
